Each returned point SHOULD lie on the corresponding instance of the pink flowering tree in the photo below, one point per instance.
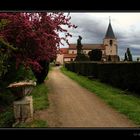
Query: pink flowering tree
(35, 37)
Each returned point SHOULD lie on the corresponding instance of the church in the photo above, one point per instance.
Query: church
(109, 48)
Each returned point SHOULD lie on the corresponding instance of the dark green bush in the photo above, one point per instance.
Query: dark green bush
(7, 118)
(123, 75)
(41, 75)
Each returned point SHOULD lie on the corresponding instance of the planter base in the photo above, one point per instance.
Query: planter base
(23, 109)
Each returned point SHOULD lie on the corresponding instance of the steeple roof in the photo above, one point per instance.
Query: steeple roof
(110, 33)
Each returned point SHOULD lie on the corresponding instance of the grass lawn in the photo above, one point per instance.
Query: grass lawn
(122, 101)
(40, 97)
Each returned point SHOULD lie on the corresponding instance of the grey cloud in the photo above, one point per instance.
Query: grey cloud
(93, 30)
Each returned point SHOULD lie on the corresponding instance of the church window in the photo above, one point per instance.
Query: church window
(111, 42)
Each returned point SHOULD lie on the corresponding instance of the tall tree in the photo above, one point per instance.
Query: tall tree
(35, 36)
(95, 55)
(129, 55)
(125, 57)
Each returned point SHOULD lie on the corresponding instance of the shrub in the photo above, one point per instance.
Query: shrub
(7, 118)
(122, 75)
(95, 55)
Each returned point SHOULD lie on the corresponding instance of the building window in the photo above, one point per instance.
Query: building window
(111, 42)
(71, 59)
(72, 52)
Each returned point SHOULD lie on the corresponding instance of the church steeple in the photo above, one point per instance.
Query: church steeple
(110, 43)
(110, 33)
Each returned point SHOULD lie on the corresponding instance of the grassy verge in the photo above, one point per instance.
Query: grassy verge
(33, 124)
(7, 117)
(123, 101)
(40, 97)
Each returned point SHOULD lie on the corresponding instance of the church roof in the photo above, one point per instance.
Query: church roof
(70, 55)
(87, 46)
(64, 50)
(110, 33)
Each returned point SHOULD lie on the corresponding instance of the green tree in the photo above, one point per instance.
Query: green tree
(95, 55)
(125, 57)
(129, 55)
(5, 53)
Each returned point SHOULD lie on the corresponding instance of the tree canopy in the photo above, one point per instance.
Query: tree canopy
(35, 36)
(95, 55)
(128, 55)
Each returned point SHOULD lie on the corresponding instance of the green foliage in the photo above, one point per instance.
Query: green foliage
(3, 23)
(122, 75)
(95, 55)
(19, 74)
(124, 101)
(6, 98)
(5, 53)
(86, 68)
(125, 57)
(7, 118)
(24, 74)
(41, 75)
(128, 55)
(81, 57)
(33, 124)
(3, 66)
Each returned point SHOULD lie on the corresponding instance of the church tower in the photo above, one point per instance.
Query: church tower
(110, 44)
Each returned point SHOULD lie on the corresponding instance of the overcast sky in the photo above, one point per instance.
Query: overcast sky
(93, 26)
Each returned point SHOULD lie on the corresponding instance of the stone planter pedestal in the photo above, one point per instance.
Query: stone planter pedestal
(23, 109)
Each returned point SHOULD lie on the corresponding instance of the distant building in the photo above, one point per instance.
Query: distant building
(109, 48)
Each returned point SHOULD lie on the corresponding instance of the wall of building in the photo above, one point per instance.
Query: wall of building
(110, 49)
(72, 51)
(68, 59)
(60, 58)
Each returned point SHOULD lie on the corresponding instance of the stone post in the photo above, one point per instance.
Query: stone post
(23, 109)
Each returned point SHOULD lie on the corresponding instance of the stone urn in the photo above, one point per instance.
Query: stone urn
(23, 106)
(22, 88)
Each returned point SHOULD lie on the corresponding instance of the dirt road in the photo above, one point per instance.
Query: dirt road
(73, 106)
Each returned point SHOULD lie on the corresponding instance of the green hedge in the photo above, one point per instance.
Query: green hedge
(84, 68)
(125, 75)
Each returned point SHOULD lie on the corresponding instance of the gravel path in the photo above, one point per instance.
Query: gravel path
(73, 106)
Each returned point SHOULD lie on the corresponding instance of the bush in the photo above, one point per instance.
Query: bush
(95, 55)
(122, 75)
(41, 75)
(7, 118)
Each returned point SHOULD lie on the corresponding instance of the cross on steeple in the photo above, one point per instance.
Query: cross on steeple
(109, 19)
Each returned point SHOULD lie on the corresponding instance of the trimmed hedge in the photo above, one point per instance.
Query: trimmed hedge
(125, 75)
